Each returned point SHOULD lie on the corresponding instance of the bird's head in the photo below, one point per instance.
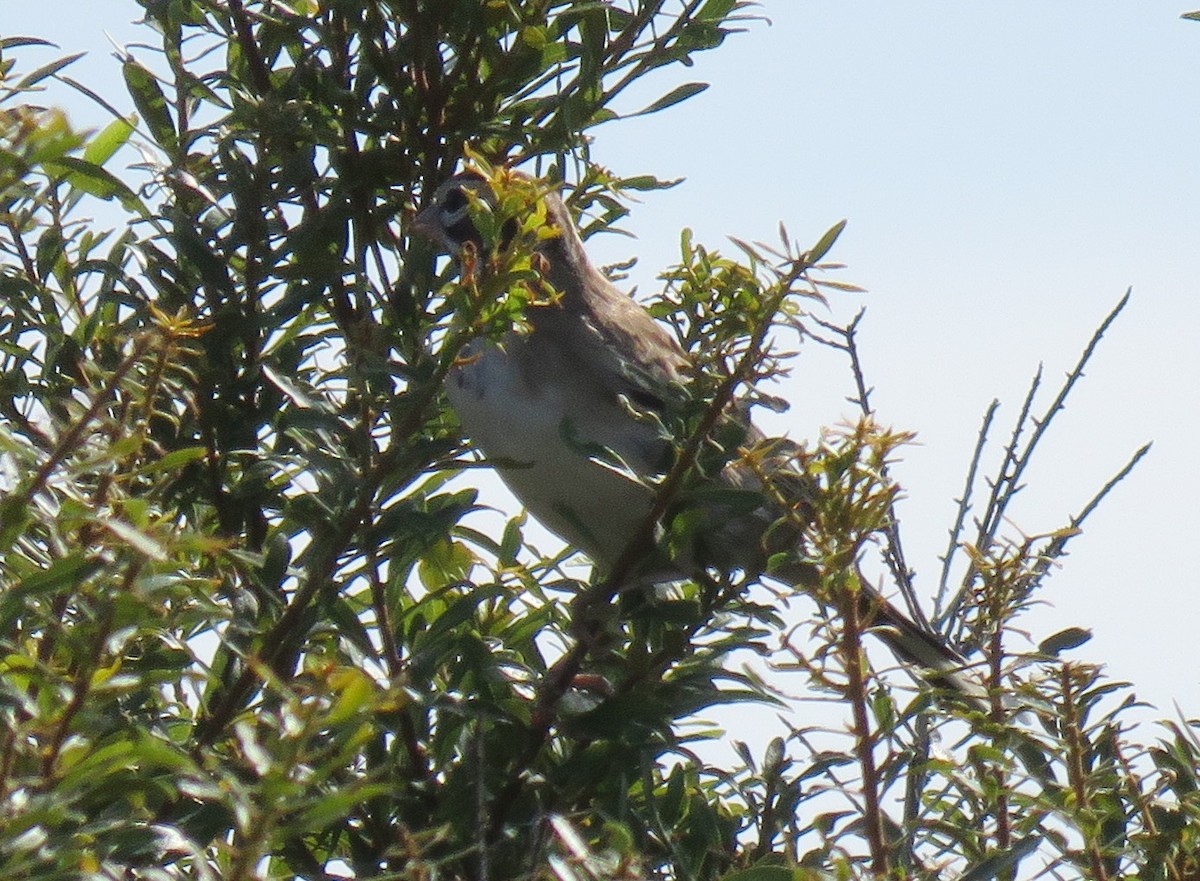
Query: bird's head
(466, 210)
(446, 219)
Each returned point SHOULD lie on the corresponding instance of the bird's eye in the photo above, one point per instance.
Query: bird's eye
(455, 201)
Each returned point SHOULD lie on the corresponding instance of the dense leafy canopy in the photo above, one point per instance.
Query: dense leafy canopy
(249, 624)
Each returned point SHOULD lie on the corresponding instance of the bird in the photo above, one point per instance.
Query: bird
(581, 376)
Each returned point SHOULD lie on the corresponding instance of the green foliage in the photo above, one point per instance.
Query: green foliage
(249, 624)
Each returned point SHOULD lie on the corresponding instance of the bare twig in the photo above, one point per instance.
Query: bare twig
(964, 507)
(893, 548)
(864, 737)
(1057, 545)
(1017, 457)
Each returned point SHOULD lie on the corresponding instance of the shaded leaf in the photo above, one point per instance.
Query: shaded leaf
(676, 95)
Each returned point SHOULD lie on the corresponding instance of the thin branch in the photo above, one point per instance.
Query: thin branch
(1077, 757)
(84, 675)
(864, 738)
(1057, 546)
(1016, 460)
(916, 782)
(964, 507)
(1005, 487)
(893, 548)
(69, 443)
(249, 45)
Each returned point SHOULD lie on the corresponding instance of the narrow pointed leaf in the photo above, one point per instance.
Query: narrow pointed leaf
(680, 93)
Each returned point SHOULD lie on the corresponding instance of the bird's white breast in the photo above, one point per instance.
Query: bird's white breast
(522, 426)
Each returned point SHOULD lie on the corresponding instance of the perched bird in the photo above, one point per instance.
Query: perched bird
(535, 402)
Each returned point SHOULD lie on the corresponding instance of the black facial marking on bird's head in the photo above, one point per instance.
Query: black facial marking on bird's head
(455, 215)
(455, 199)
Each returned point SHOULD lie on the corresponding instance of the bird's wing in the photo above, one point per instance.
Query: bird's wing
(632, 353)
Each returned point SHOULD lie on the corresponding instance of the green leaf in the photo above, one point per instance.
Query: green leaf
(48, 70)
(354, 690)
(174, 460)
(135, 538)
(511, 542)
(335, 807)
(769, 872)
(49, 251)
(14, 516)
(444, 563)
(1070, 638)
(72, 570)
(1003, 862)
(349, 625)
(92, 179)
(151, 102)
(676, 95)
(463, 609)
(14, 42)
(716, 10)
(821, 248)
(108, 141)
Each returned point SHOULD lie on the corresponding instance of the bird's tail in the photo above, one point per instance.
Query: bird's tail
(938, 662)
(931, 656)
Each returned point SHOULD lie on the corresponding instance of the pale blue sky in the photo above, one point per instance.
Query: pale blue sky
(1007, 171)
